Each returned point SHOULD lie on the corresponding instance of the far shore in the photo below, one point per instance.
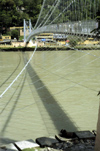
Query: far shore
(21, 46)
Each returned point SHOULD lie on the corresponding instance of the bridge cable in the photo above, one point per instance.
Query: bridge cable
(18, 74)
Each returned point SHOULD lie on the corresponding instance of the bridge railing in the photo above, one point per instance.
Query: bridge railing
(81, 27)
(75, 27)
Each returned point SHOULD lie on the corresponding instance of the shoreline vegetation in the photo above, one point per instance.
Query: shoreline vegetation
(46, 48)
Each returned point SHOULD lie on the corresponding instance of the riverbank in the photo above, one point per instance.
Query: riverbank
(52, 48)
(65, 141)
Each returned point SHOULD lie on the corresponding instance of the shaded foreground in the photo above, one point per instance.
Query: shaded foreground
(65, 141)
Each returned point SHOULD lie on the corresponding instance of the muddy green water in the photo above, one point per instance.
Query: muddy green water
(58, 90)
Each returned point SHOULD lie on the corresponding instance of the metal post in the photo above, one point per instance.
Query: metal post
(30, 26)
(27, 28)
(24, 31)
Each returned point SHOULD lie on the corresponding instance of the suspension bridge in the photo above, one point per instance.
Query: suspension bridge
(76, 17)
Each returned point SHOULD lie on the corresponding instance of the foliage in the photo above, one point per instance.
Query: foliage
(75, 40)
(15, 34)
(12, 12)
(72, 42)
(68, 10)
(31, 149)
(21, 38)
(97, 30)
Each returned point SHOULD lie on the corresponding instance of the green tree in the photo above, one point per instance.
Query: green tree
(72, 42)
(97, 30)
(12, 12)
(15, 34)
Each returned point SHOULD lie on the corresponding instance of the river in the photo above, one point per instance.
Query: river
(57, 90)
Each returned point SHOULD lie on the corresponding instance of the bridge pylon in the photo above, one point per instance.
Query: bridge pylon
(27, 28)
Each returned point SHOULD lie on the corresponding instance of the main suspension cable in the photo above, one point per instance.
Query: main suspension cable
(18, 74)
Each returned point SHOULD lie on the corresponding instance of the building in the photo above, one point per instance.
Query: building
(44, 37)
(21, 30)
(7, 37)
(60, 38)
(50, 37)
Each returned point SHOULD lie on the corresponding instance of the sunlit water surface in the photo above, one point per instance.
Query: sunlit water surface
(58, 90)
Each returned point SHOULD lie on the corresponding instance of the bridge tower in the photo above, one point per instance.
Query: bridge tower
(27, 28)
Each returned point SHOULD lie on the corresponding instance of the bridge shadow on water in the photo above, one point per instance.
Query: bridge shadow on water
(58, 117)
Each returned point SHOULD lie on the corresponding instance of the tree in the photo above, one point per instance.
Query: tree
(12, 12)
(15, 34)
(72, 42)
(97, 30)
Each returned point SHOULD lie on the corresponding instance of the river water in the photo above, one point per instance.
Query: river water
(58, 90)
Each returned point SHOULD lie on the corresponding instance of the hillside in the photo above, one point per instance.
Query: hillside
(12, 12)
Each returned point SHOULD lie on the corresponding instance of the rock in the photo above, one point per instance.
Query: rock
(2, 149)
(9, 147)
(26, 144)
(80, 141)
(46, 142)
(64, 133)
(85, 135)
(94, 132)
